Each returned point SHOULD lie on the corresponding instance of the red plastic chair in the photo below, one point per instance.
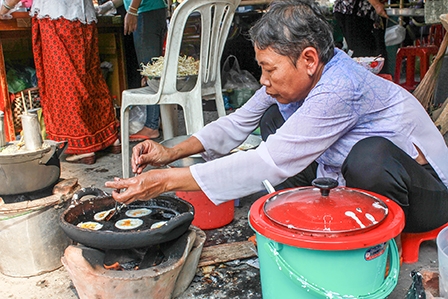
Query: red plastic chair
(436, 34)
(410, 53)
(411, 243)
(422, 49)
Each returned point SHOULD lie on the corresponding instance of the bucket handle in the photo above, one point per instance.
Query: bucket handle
(383, 291)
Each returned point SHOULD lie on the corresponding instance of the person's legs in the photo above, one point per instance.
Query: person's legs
(148, 42)
(358, 33)
(271, 120)
(376, 164)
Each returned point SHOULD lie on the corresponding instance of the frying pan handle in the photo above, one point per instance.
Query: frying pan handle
(89, 191)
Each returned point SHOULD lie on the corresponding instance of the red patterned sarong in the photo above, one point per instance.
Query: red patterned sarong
(76, 102)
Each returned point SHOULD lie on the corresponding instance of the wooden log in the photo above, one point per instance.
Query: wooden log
(226, 252)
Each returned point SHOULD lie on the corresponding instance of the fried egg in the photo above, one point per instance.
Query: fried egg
(100, 216)
(158, 224)
(128, 223)
(138, 212)
(90, 225)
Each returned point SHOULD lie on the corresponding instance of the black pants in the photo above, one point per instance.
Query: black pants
(376, 164)
(361, 37)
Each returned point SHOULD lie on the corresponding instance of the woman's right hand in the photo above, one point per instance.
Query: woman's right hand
(130, 23)
(151, 153)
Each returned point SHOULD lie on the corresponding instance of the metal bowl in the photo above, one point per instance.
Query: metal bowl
(183, 84)
(185, 162)
(405, 12)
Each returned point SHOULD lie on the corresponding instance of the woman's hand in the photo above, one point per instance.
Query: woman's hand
(6, 8)
(5, 17)
(151, 184)
(143, 187)
(151, 153)
(130, 23)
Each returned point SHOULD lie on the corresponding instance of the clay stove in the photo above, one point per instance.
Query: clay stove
(166, 280)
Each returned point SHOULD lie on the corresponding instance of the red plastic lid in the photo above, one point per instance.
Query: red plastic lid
(341, 211)
(325, 218)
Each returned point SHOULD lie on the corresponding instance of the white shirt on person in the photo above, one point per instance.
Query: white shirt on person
(348, 104)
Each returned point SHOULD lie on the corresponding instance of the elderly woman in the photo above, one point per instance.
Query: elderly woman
(321, 114)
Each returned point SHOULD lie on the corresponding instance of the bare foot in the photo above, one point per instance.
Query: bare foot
(149, 132)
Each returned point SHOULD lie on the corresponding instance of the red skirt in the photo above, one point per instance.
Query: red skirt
(76, 102)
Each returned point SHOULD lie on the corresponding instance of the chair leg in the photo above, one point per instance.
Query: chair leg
(411, 243)
(169, 120)
(125, 154)
(194, 116)
(411, 247)
(220, 103)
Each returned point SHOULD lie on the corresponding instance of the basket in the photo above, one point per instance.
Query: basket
(433, 10)
(29, 97)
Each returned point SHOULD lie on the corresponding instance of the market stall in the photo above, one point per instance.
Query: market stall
(15, 44)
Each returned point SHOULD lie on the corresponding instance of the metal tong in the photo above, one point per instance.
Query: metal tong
(118, 208)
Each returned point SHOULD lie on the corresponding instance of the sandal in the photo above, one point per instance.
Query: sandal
(88, 158)
(115, 148)
(138, 138)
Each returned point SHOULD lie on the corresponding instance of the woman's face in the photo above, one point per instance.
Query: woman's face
(284, 81)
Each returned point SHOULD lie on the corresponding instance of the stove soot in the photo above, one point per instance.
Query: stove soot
(133, 259)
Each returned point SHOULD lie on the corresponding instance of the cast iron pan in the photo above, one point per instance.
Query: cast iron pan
(178, 213)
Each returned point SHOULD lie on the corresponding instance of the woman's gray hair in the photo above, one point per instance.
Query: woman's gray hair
(289, 26)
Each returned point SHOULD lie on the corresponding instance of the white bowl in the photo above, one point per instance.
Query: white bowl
(373, 64)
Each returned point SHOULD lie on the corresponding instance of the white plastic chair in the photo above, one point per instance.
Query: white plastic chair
(216, 19)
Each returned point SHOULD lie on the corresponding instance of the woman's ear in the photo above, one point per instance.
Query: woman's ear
(310, 59)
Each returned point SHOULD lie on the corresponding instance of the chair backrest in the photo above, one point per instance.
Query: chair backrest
(216, 19)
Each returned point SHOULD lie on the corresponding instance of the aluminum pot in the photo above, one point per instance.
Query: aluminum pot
(29, 171)
(110, 237)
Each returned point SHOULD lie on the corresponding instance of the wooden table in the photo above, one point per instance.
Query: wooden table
(110, 30)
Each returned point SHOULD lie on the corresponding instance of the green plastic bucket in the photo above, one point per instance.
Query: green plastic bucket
(329, 263)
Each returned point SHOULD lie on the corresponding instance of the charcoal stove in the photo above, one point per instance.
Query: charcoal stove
(31, 241)
(145, 261)
(165, 280)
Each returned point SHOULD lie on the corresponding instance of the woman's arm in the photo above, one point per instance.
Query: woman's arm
(6, 6)
(130, 20)
(379, 8)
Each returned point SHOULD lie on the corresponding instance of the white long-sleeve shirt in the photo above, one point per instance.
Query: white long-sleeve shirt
(348, 104)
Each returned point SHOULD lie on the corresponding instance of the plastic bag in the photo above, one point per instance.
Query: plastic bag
(20, 78)
(137, 118)
(394, 35)
(416, 290)
(239, 84)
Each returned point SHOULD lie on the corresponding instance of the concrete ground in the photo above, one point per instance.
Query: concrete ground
(236, 279)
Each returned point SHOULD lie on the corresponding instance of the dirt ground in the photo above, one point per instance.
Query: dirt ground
(235, 279)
